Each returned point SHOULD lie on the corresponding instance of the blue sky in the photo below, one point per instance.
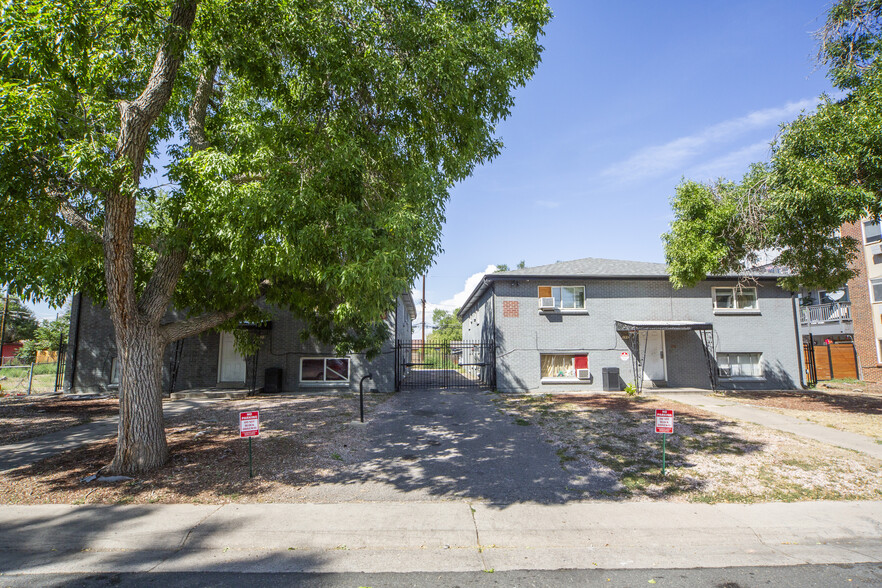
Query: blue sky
(630, 97)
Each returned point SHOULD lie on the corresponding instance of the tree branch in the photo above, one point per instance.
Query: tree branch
(157, 295)
(196, 116)
(72, 216)
(178, 330)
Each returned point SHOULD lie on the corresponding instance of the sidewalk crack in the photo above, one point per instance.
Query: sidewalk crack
(183, 542)
(477, 536)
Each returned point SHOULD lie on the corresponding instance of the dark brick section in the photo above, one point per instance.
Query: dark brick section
(92, 352)
(510, 309)
(862, 311)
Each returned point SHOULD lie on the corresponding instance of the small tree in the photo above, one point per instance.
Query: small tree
(47, 337)
(447, 327)
(20, 323)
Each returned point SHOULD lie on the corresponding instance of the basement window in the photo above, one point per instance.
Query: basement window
(324, 369)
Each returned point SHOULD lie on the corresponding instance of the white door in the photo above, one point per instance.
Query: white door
(655, 369)
(231, 366)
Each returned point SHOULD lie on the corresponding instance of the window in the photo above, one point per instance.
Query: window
(876, 287)
(735, 299)
(872, 232)
(565, 297)
(562, 366)
(740, 365)
(324, 369)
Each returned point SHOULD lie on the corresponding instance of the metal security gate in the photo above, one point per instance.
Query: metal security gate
(455, 364)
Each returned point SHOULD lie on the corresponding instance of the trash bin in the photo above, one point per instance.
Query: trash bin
(272, 380)
(611, 380)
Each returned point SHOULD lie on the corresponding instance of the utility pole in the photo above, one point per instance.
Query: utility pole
(423, 358)
(3, 324)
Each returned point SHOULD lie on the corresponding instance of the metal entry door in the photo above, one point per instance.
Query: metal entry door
(455, 364)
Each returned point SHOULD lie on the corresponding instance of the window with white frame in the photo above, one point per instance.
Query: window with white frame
(740, 365)
(565, 297)
(735, 298)
(876, 288)
(324, 369)
(562, 366)
(872, 232)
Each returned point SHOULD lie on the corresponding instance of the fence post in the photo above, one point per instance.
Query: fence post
(30, 377)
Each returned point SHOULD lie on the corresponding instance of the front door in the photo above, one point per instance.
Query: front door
(231, 366)
(654, 364)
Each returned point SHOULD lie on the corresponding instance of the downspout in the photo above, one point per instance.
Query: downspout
(75, 343)
(495, 372)
(800, 359)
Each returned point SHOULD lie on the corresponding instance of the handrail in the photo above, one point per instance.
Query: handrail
(835, 312)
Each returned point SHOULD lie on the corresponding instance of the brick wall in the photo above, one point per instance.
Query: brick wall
(862, 311)
(521, 339)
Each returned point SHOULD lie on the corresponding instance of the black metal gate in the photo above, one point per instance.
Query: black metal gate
(454, 364)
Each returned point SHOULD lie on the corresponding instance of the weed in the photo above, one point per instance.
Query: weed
(522, 422)
(336, 456)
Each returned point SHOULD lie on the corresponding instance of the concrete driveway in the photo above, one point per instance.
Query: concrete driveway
(457, 444)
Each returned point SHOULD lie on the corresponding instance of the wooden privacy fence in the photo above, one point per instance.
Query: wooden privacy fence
(833, 361)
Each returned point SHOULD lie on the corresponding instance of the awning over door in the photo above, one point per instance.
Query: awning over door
(630, 331)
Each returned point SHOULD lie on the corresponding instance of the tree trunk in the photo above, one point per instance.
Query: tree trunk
(141, 444)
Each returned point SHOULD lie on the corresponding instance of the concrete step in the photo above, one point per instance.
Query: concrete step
(213, 394)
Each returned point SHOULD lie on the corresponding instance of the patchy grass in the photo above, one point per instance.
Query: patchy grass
(304, 440)
(709, 458)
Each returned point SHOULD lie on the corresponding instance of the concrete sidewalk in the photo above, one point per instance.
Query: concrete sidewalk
(14, 455)
(436, 536)
(774, 420)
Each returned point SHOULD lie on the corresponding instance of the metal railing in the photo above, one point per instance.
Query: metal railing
(819, 314)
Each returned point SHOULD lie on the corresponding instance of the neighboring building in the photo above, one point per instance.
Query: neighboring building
(825, 317)
(284, 361)
(558, 327)
(10, 350)
(865, 293)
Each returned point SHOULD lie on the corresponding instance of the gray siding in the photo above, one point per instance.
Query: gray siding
(521, 340)
(92, 352)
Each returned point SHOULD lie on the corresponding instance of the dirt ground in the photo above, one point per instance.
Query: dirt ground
(303, 440)
(307, 440)
(23, 417)
(848, 406)
(708, 458)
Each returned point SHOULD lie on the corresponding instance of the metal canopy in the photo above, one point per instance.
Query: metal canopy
(630, 330)
(663, 326)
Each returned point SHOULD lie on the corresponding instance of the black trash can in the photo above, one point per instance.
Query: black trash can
(611, 381)
(272, 380)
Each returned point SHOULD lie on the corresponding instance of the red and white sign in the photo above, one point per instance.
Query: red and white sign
(624, 356)
(249, 424)
(664, 420)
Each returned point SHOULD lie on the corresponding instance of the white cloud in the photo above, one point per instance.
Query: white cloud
(677, 154)
(731, 165)
(452, 303)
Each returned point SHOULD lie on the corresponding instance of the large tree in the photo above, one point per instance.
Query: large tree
(19, 321)
(310, 148)
(825, 170)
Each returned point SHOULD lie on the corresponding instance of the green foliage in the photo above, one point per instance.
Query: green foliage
(825, 170)
(504, 268)
(334, 133)
(448, 327)
(46, 337)
(21, 323)
(630, 389)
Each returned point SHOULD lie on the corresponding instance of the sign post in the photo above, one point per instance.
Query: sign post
(249, 426)
(664, 424)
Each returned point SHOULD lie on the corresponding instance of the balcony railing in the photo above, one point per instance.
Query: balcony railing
(822, 314)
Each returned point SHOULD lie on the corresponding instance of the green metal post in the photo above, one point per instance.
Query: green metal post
(250, 468)
(664, 450)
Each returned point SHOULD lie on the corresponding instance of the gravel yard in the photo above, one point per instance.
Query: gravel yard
(709, 459)
(309, 450)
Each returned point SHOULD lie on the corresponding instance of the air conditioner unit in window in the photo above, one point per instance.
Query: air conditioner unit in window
(546, 303)
(583, 374)
(876, 249)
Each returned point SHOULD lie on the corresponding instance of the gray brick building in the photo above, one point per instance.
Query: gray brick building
(209, 360)
(556, 327)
